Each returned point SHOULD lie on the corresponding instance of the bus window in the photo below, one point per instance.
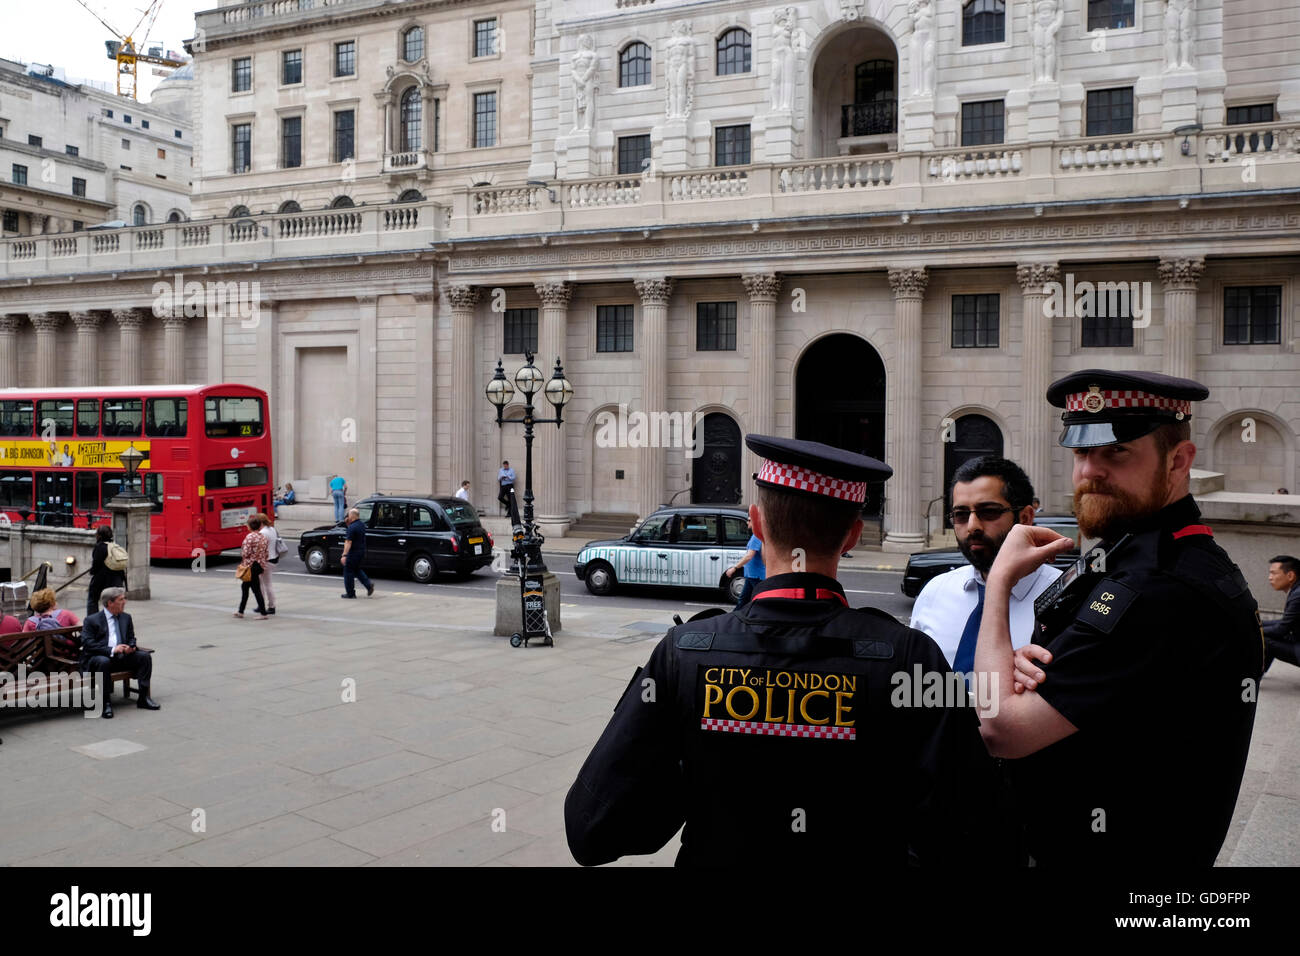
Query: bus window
(219, 478)
(111, 483)
(232, 417)
(58, 411)
(153, 490)
(87, 491)
(165, 417)
(87, 417)
(122, 416)
(16, 418)
(16, 490)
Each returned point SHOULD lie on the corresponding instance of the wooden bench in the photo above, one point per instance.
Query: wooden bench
(36, 650)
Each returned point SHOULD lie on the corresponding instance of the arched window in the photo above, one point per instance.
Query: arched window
(174, 216)
(413, 44)
(239, 212)
(140, 214)
(983, 21)
(289, 205)
(412, 120)
(734, 52)
(411, 195)
(342, 202)
(634, 65)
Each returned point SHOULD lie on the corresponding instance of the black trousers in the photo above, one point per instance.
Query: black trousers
(254, 585)
(138, 663)
(1283, 650)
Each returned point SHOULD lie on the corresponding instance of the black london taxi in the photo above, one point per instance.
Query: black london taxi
(924, 565)
(421, 534)
(686, 547)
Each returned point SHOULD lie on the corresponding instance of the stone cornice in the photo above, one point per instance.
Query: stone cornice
(219, 34)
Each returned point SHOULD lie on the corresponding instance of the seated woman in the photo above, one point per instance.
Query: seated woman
(47, 614)
(10, 624)
(290, 496)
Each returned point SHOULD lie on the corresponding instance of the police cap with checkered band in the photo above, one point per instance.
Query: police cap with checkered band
(809, 467)
(1104, 407)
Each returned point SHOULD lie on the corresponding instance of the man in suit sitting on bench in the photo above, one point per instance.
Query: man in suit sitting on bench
(108, 645)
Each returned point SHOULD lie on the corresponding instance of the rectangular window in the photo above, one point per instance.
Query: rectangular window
(87, 417)
(231, 417)
(126, 144)
(87, 490)
(715, 326)
(123, 416)
(108, 113)
(19, 177)
(345, 58)
(1256, 113)
(344, 135)
(241, 147)
(78, 186)
(485, 119)
(34, 140)
(58, 411)
(735, 532)
(126, 118)
(1110, 112)
(731, 145)
(437, 122)
(162, 154)
(633, 154)
(165, 417)
(290, 142)
(78, 225)
(1252, 315)
(16, 418)
(219, 478)
(291, 67)
(1110, 14)
(176, 133)
(485, 37)
(11, 220)
(72, 150)
(520, 331)
(982, 123)
(1108, 331)
(112, 484)
(241, 74)
(975, 321)
(16, 490)
(144, 124)
(614, 328)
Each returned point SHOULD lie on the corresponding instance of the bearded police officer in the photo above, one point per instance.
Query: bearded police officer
(1133, 740)
(779, 732)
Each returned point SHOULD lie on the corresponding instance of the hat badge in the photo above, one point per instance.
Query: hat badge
(1094, 401)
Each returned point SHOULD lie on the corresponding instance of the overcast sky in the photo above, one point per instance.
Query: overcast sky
(62, 32)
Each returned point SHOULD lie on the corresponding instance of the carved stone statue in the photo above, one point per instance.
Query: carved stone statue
(783, 58)
(1048, 15)
(921, 52)
(680, 71)
(1180, 34)
(584, 65)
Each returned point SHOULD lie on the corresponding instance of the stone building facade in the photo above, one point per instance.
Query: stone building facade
(835, 220)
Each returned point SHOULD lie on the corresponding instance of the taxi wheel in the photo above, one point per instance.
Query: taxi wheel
(735, 585)
(516, 640)
(600, 578)
(423, 570)
(317, 560)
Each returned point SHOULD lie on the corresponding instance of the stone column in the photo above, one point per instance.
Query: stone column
(654, 294)
(1036, 375)
(9, 350)
(426, 404)
(47, 346)
(464, 393)
(87, 324)
(129, 322)
(551, 466)
(1180, 277)
(903, 492)
(174, 350)
(763, 288)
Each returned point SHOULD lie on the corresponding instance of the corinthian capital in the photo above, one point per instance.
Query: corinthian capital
(9, 323)
(462, 296)
(1033, 276)
(87, 321)
(129, 318)
(1181, 274)
(555, 292)
(654, 291)
(908, 283)
(762, 286)
(46, 321)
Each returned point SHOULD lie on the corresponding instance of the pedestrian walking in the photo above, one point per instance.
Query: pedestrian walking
(752, 566)
(463, 493)
(253, 557)
(275, 547)
(354, 552)
(101, 575)
(339, 490)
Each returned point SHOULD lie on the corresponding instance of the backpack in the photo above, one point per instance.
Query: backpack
(117, 559)
(47, 622)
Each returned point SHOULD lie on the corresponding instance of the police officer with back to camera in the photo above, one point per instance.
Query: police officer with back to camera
(1132, 736)
(775, 732)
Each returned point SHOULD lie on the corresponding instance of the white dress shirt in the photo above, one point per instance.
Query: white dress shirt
(463, 494)
(945, 604)
(113, 640)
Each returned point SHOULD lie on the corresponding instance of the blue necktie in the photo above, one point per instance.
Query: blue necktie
(964, 661)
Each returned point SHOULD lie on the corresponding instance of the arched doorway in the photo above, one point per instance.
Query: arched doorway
(854, 92)
(973, 437)
(840, 401)
(715, 474)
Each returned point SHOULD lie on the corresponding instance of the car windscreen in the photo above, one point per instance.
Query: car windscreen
(461, 513)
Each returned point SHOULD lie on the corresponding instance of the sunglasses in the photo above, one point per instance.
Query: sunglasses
(984, 512)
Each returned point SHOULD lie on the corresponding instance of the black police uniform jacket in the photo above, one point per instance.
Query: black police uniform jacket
(1158, 669)
(784, 732)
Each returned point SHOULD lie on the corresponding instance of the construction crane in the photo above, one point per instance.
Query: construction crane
(123, 49)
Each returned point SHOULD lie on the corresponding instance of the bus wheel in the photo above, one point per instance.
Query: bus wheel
(317, 560)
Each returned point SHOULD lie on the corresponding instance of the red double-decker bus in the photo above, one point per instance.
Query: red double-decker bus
(206, 467)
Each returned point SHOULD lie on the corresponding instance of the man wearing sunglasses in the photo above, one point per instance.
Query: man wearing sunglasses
(990, 496)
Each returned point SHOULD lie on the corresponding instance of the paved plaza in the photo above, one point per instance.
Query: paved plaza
(458, 749)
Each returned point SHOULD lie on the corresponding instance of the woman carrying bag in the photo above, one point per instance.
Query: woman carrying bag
(101, 575)
(275, 549)
(253, 562)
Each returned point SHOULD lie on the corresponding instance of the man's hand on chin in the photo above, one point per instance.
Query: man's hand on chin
(1026, 548)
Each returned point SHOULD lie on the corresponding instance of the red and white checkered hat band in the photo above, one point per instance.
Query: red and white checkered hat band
(768, 729)
(803, 479)
(1125, 398)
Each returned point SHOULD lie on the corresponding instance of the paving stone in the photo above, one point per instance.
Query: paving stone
(254, 843)
(472, 845)
(363, 806)
(110, 749)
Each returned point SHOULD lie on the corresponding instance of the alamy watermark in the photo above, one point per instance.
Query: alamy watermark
(1099, 300)
(626, 429)
(194, 298)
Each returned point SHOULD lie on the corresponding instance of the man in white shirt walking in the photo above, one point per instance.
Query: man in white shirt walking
(990, 496)
(463, 493)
